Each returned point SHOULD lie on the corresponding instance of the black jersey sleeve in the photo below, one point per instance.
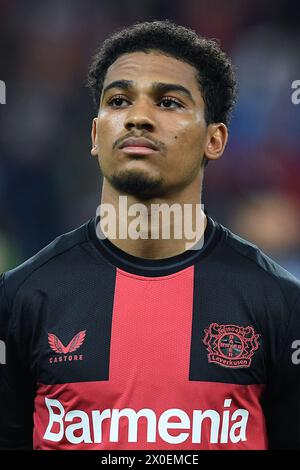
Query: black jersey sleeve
(283, 397)
(16, 384)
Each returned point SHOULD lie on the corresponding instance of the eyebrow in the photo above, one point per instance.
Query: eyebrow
(156, 87)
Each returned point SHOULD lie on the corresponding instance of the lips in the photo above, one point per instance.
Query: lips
(138, 143)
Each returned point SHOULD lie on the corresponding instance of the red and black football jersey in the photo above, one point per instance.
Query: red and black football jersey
(105, 350)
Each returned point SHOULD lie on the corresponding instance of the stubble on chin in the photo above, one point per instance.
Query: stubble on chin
(137, 184)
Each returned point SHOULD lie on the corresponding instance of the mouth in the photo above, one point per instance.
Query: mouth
(138, 146)
(138, 150)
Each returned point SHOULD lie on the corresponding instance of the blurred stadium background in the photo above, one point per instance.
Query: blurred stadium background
(49, 183)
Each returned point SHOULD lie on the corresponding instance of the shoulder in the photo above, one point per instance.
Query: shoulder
(250, 262)
(43, 263)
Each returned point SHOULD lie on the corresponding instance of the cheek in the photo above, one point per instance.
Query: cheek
(189, 139)
(109, 127)
(187, 131)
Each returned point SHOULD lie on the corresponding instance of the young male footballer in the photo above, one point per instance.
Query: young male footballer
(120, 338)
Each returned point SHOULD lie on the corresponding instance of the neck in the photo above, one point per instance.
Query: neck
(157, 228)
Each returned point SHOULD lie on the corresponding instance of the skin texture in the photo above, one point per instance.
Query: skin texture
(172, 120)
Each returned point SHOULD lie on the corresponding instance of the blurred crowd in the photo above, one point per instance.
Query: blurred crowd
(49, 183)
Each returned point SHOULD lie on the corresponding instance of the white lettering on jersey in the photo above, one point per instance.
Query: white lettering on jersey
(223, 427)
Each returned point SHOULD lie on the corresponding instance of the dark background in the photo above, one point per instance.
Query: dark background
(50, 184)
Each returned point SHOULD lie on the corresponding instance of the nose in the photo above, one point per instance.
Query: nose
(139, 117)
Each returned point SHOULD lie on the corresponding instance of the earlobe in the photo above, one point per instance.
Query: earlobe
(94, 151)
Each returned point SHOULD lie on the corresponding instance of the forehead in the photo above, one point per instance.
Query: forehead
(152, 67)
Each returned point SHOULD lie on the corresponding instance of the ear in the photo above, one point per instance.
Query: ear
(94, 150)
(217, 136)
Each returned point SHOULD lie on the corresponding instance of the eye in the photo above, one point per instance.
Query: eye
(170, 102)
(117, 101)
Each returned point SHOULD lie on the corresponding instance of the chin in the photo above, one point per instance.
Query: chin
(138, 184)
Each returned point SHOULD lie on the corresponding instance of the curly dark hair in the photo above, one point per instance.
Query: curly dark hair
(215, 73)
